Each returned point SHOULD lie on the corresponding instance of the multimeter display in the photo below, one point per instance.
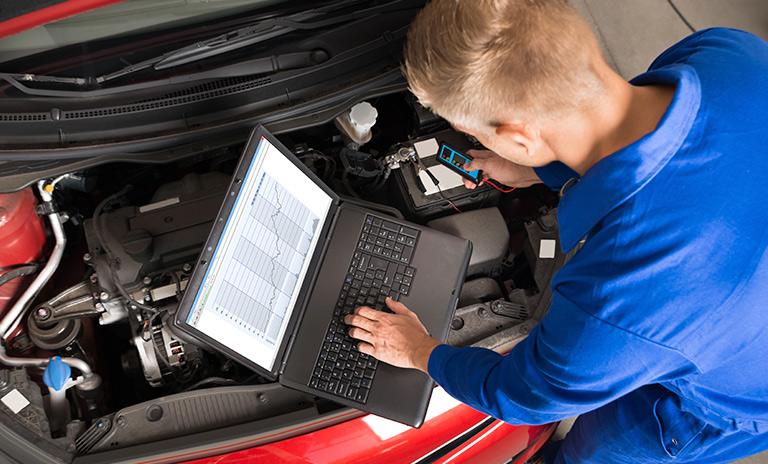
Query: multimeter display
(455, 161)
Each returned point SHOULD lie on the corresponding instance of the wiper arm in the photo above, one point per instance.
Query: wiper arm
(220, 44)
(252, 35)
(265, 65)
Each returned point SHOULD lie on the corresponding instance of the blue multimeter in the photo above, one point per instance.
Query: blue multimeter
(455, 161)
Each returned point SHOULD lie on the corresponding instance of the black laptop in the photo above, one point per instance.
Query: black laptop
(287, 259)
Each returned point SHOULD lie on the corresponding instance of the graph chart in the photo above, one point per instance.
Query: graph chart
(270, 252)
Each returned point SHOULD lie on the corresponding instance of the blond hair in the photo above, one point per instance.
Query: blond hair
(475, 62)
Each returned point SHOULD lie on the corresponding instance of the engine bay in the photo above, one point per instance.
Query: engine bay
(101, 256)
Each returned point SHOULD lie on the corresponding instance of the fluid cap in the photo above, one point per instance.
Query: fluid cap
(363, 116)
(57, 373)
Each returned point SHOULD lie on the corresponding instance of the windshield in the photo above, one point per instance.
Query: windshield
(122, 19)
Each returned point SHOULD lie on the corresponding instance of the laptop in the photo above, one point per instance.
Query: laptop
(286, 259)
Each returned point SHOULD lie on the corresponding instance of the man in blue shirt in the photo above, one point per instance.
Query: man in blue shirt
(657, 335)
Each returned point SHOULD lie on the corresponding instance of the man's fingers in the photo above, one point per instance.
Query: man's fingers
(397, 307)
(359, 321)
(361, 334)
(481, 154)
(365, 348)
(368, 313)
(474, 164)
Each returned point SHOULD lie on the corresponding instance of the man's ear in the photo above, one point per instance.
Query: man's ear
(520, 133)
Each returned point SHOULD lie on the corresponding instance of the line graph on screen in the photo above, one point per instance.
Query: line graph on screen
(269, 254)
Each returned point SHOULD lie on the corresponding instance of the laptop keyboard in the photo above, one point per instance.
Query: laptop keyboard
(380, 268)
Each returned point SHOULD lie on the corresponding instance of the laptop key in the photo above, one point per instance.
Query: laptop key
(389, 276)
(378, 263)
(362, 395)
(409, 231)
(341, 388)
(390, 226)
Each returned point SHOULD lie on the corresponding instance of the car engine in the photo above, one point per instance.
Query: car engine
(102, 256)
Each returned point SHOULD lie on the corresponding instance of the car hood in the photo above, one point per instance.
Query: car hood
(18, 16)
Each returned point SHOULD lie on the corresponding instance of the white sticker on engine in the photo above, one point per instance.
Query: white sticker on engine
(547, 248)
(15, 401)
(159, 204)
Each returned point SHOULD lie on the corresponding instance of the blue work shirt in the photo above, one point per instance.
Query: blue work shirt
(671, 285)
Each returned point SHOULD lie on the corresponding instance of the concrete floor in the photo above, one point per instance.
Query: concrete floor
(633, 33)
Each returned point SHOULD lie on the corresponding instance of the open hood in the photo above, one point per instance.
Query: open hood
(17, 16)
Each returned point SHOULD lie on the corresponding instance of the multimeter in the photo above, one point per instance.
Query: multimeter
(456, 161)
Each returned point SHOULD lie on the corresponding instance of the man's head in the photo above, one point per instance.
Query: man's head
(481, 63)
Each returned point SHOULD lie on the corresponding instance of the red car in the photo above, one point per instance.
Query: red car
(120, 125)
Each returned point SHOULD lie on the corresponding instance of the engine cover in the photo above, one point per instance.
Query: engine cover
(164, 234)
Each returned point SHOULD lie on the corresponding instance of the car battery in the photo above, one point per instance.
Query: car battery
(417, 196)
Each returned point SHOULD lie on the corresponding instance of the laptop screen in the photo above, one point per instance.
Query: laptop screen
(250, 288)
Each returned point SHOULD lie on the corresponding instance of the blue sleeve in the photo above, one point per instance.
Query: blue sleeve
(556, 174)
(571, 363)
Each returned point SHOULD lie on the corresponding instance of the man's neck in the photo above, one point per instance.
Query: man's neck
(623, 117)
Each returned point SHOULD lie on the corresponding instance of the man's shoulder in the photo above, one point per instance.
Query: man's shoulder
(714, 47)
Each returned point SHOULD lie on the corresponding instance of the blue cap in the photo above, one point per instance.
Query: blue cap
(57, 373)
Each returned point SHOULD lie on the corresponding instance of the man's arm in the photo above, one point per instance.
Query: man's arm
(571, 363)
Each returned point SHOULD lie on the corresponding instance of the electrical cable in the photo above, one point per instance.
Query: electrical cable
(18, 272)
(440, 191)
(330, 164)
(497, 187)
(211, 380)
(436, 183)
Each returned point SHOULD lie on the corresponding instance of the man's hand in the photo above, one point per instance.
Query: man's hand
(398, 339)
(503, 170)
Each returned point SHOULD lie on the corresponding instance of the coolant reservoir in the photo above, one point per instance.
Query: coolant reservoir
(22, 238)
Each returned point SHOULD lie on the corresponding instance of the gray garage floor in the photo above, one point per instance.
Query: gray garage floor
(633, 32)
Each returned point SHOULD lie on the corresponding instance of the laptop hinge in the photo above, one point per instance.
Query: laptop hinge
(311, 287)
(288, 350)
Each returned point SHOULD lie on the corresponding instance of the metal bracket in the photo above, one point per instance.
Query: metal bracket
(76, 302)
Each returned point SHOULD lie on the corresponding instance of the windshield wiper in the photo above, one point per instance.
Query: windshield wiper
(265, 65)
(221, 44)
